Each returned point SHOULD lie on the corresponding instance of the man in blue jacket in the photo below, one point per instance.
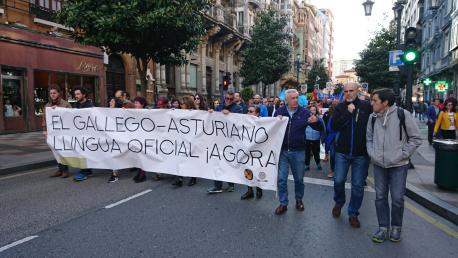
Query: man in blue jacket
(350, 122)
(293, 149)
(433, 112)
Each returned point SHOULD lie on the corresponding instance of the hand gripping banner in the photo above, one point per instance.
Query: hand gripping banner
(233, 148)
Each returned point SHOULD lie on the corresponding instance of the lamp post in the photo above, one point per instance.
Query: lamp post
(368, 7)
(397, 9)
(298, 64)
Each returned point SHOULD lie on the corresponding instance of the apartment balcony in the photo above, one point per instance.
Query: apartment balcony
(43, 13)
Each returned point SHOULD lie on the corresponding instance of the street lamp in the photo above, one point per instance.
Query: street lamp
(298, 64)
(368, 7)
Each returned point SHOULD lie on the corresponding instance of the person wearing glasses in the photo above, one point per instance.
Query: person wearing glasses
(254, 111)
(226, 107)
(447, 121)
(200, 102)
(350, 122)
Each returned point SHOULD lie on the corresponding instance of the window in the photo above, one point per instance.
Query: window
(193, 76)
(12, 93)
(240, 19)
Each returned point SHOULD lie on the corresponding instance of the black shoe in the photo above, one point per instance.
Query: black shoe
(248, 195)
(178, 183)
(192, 181)
(258, 193)
(156, 177)
(140, 178)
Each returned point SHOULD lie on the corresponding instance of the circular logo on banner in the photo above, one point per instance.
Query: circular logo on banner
(248, 174)
(262, 175)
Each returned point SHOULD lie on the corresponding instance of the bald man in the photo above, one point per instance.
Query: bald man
(350, 122)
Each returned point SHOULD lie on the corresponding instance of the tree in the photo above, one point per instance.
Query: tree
(159, 30)
(247, 93)
(373, 67)
(317, 72)
(267, 56)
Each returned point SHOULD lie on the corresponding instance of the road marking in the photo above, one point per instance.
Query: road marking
(317, 181)
(41, 170)
(6, 247)
(128, 199)
(447, 230)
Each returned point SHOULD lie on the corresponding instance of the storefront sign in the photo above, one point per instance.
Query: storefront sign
(88, 67)
(441, 86)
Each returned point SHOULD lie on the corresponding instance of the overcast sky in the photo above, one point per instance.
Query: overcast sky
(351, 27)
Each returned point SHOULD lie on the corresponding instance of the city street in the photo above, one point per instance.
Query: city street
(61, 218)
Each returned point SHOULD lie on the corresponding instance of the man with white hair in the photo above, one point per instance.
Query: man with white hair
(258, 102)
(293, 149)
(350, 122)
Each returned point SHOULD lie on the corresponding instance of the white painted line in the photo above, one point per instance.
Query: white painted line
(317, 181)
(127, 199)
(6, 247)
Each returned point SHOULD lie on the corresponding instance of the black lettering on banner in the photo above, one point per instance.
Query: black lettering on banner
(101, 145)
(262, 134)
(90, 124)
(258, 156)
(271, 157)
(230, 152)
(176, 147)
(215, 147)
(173, 128)
(54, 143)
(135, 148)
(62, 123)
(147, 145)
(207, 154)
(115, 146)
(245, 131)
(106, 123)
(143, 125)
(160, 147)
(205, 132)
(227, 130)
(221, 127)
(93, 144)
(97, 125)
(195, 128)
(65, 147)
(80, 122)
(80, 143)
(126, 123)
(185, 126)
(54, 122)
(181, 151)
(118, 124)
(234, 129)
(240, 159)
(190, 152)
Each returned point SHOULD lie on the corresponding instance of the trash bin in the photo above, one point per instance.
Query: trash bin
(446, 164)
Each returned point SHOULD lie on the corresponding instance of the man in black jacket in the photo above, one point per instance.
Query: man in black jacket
(350, 122)
(82, 102)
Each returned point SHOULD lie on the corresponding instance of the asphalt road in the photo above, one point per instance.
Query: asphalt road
(61, 218)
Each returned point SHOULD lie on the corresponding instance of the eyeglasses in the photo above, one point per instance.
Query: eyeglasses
(196, 98)
(229, 98)
(347, 91)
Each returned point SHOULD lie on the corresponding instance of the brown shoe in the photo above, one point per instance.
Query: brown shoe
(281, 209)
(56, 174)
(299, 205)
(336, 211)
(354, 222)
(65, 174)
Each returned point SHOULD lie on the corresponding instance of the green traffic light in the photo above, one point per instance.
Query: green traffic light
(410, 56)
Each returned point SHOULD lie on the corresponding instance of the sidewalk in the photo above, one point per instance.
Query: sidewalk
(24, 151)
(420, 182)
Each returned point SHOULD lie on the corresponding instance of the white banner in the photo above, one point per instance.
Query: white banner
(233, 148)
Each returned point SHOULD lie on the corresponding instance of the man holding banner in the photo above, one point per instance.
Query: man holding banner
(293, 149)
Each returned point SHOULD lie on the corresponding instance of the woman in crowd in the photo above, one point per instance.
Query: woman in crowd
(447, 121)
(188, 102)
(312, 141)
(254, 111)
(140, 103)
(175, 103)
(200, 102)
(330, 140)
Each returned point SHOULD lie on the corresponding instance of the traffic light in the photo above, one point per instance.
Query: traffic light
(226, 81)
(411, 54)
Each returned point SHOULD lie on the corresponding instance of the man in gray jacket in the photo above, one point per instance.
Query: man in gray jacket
(392, 138)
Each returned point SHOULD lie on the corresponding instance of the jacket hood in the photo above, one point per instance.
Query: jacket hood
(384, 115)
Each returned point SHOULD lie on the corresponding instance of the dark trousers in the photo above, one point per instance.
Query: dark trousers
(62, 167)
(219, 184)
(449, 134)
(312, 147)
(430, 132)
(393, 181)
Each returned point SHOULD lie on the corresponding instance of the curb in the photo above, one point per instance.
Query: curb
(30, 166)
(432, 203)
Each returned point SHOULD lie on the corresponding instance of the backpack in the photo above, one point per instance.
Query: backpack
(402, 123)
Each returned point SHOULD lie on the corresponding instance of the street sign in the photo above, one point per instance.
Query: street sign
(441, 86)
(394, 69)
(395, 58)
(365, 85)
(328, 85)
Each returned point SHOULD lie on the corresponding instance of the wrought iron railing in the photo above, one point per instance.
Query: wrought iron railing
(43, 13)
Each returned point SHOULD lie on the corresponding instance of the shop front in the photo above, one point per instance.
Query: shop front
(30, 62)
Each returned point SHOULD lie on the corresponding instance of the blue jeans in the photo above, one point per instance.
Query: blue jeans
(295, 160)
(359, 167)
(392, 180)
(332, 156)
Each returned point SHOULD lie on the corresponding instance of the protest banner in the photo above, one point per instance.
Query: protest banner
(234, 148)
